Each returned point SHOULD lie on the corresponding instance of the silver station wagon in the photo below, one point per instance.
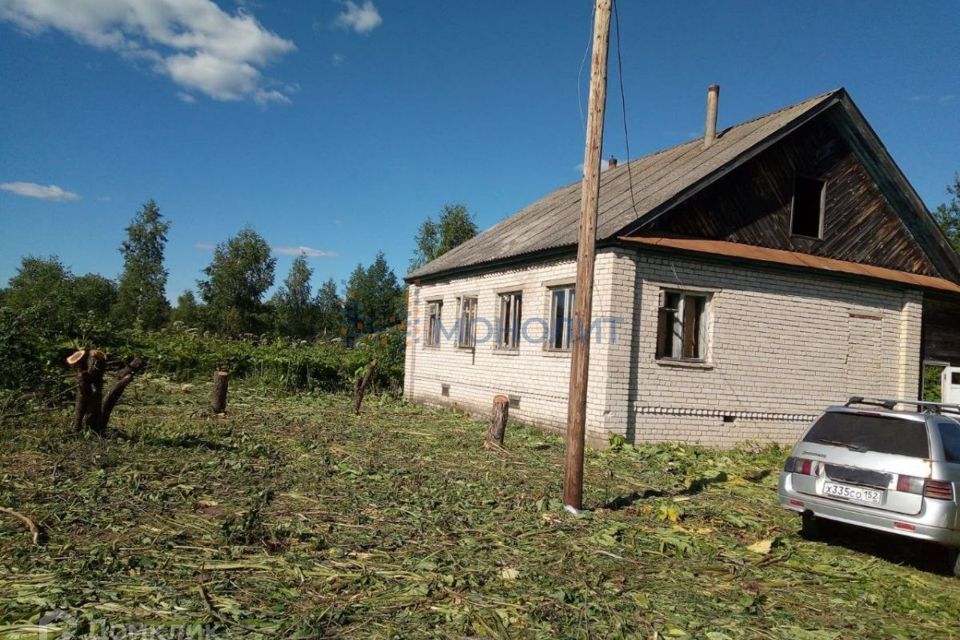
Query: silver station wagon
(871, 465)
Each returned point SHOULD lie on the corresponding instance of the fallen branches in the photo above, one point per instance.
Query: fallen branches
(30, 524)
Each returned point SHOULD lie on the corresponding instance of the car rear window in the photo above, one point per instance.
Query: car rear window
(871, 433)
(950, 438)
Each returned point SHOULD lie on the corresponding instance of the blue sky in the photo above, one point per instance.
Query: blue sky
(340, 126)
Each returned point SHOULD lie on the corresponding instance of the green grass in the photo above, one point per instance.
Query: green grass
(291, 517)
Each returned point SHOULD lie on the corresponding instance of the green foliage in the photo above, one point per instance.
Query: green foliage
(42, 287)
(188, 312)
(454, 227)
(375, 300)
(28, 356)
(62, 304)
(237, 278)
(188, 354)
(931, 383)
(947, 214)
(142, 298)
(294, 311)
(93, 295)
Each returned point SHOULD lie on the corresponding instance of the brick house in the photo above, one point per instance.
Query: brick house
(743, 282)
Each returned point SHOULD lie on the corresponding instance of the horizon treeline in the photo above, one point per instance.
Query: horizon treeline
(230, 298)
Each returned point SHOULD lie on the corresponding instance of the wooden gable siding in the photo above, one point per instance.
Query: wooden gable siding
(752, 205)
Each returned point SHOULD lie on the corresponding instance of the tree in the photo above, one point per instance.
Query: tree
(188, 311)
(142, 297)
(57, 300)
(239, 274)
(295, 314)
(374, 299)
(454, 227)
(329, 308)
(947, 214)
(93, 294)
(41, 286)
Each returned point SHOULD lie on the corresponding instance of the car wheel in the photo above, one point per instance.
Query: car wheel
(953, 561)
(812, 527)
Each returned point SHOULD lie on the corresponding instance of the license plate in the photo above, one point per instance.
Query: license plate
(853, 494)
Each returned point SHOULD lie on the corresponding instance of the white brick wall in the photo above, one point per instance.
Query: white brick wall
(782, 345)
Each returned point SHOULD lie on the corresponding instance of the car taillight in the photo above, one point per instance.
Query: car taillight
(800, 465)
(910, 484)
(938, 489)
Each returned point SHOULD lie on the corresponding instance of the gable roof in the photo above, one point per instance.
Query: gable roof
(665, 178)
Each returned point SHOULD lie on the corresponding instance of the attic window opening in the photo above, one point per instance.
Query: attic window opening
(806, 214)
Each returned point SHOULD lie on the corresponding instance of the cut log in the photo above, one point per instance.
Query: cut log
(75, 357)
(360, 389)
(219, 400)
(498, 420)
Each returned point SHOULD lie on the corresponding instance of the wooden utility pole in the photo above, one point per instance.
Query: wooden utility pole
(586, 250)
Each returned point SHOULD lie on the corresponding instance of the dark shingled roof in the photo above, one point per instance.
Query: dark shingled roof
(659, 180)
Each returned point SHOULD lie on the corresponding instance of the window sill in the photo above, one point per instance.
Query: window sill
(556, 353)
(431, 347)
(465, 348)
(684, 364)
(506, 351)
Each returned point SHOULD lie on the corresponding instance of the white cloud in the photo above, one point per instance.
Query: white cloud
(194, 42)
(204, 246)
(359, 18)
(310, 252)
(34, 190)
(337, 59)
(183, 96)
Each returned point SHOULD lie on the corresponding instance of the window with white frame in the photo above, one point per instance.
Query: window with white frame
(682, 326)
(467, 335)
(434, 313)
(561, 318)
(511, 309)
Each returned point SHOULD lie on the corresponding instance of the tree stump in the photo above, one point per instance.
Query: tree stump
(220, 379)
(90, 365)
(360, 389)
(498, 421)
(91, 409)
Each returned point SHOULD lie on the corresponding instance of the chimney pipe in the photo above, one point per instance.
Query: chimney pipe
(713, 100)
(612, 163)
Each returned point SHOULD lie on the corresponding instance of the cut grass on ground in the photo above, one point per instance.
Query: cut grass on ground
(291, 517)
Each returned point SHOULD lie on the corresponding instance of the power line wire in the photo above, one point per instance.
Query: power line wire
(583, 61)
(623, 105)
